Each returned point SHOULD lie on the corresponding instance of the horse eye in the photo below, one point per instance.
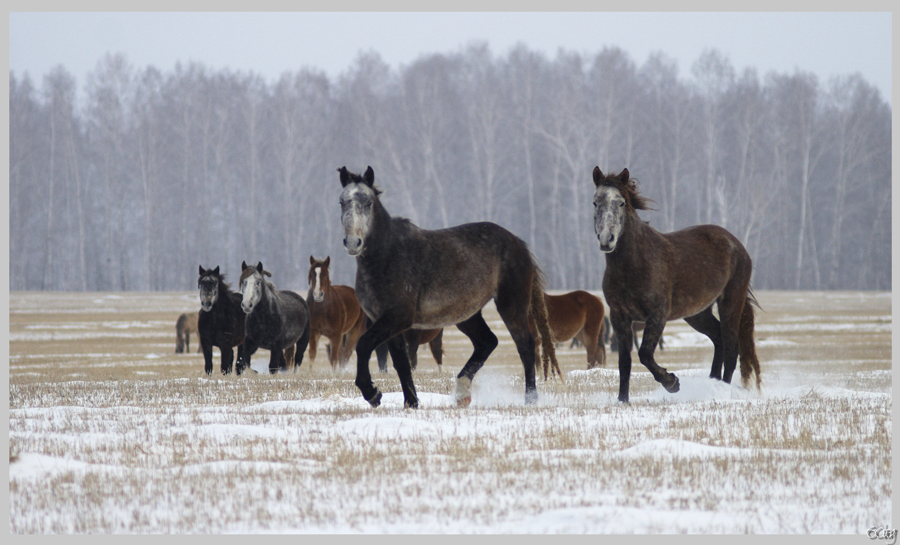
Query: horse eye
(621, 204)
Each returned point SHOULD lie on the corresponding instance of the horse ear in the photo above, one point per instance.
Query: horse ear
(259, 267)
(202, 272)
(345, 176)
(598, 176)
(369, 176)
(312, 260)
(243, 265)
(624, 176)
(327, 260)
(216, 271)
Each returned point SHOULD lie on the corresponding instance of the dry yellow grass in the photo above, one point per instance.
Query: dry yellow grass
(130, 437)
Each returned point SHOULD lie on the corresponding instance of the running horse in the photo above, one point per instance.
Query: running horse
(333, 313)
(653, 277)
(577, 315)
(412, 278)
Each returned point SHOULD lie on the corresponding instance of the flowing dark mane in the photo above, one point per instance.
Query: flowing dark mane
(627, 186)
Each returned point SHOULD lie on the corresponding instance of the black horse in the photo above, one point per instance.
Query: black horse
(221, 320)
(407, 277)
(275, 320)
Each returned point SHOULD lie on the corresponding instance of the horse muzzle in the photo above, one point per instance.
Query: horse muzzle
(318, 296)
(247, 308)
(607, 242)
(353, 245)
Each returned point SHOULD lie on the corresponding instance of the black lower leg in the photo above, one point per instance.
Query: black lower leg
(397, 347)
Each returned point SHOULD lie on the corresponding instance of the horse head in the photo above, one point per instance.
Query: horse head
(318, 277)
(252, 286)
(209, 287)
(615, 197)
(358, 201)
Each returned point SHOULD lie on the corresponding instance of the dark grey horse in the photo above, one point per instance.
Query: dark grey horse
(407, 277)
(276, 319)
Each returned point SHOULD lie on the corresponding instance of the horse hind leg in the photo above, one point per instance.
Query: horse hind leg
(704, 322)
(437, 350)
(484, 342)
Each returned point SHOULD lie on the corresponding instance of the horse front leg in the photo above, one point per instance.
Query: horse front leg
(400, 356)
(334, 356)
(227, 359)
(244, 355)
(276, 360)
(622, 328)
(653, 330)
(207, 357)
(383, 329)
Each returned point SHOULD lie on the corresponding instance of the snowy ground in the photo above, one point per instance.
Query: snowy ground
(110, 431)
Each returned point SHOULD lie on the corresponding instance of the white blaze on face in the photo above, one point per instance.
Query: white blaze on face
(318, 294)
(357, 202)
(609, 217)
(251, 289)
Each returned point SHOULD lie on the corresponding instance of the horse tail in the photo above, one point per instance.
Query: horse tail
(542, 322)
(746, 346)
(179, 333)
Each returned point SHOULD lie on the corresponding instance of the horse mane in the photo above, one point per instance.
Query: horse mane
(627, 186)
(250, 270)
(220, 278)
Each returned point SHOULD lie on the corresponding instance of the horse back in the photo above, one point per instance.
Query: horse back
(705, 259)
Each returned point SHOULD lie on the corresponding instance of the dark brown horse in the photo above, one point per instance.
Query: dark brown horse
(186, 324)
(653, 278)
(415, 338)
(412, 278)
(333, 313)
(577, 315)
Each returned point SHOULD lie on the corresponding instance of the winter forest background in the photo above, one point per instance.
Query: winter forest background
(134, 177)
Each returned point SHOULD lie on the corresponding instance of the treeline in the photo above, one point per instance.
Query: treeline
(144, 175)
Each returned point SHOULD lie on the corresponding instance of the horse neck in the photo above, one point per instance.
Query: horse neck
(635, 236)
(378, 240)
(224, 294)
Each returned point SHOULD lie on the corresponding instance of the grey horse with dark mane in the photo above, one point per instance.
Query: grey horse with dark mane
(276, 320)
(407, 277)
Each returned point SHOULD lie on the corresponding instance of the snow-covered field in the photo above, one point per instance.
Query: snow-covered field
(111, 431)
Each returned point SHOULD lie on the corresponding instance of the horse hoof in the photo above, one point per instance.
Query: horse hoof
(673, 385)
(376, 399)
(414, 404)
(463, 402)
(531, 398)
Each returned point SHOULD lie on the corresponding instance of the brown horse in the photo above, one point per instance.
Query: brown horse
(575, 315)
(186, 324)
(653, 278)
(334, 313)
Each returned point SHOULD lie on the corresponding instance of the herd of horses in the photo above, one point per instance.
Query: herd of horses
(411, 283)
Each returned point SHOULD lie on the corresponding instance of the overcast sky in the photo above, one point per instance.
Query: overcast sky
(272, 43)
